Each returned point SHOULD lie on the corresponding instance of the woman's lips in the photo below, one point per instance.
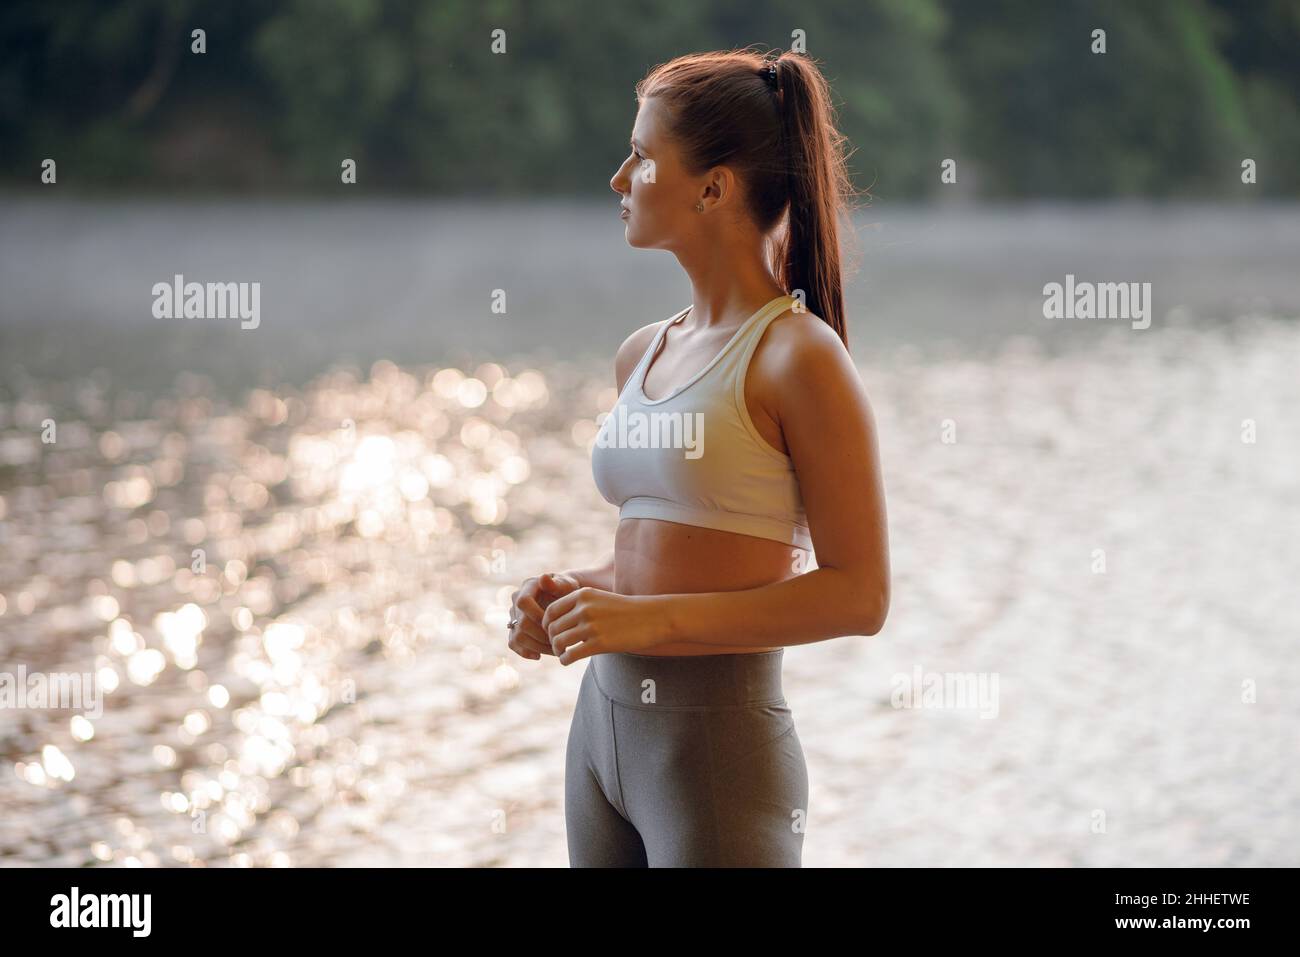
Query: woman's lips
(624, 215)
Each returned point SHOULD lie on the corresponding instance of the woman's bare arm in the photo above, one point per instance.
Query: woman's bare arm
(830, 431)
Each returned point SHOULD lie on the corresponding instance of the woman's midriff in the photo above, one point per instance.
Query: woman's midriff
(653, 557)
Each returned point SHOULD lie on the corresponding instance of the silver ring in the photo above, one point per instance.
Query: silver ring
(513, 622)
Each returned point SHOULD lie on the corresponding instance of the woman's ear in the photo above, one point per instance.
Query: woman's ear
(720, 187)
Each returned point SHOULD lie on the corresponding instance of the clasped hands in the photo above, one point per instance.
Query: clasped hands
(554, 615)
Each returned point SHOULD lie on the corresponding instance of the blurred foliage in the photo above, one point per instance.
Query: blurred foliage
(411, 90)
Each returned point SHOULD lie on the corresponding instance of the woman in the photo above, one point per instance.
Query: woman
(682, 749)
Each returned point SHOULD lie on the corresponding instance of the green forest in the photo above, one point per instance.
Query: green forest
(414, 92)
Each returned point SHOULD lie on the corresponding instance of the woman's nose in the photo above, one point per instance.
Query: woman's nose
(621, 183)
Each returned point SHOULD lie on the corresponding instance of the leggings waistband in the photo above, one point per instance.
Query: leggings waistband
(690, 681)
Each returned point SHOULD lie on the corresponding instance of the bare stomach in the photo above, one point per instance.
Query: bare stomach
(653, 557)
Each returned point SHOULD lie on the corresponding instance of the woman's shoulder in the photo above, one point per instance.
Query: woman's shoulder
(634, 347)
(798, 338)
(800, 346)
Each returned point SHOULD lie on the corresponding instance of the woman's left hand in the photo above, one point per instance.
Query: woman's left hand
(589, 621)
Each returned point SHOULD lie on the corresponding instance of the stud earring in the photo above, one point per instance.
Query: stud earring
(699, 207)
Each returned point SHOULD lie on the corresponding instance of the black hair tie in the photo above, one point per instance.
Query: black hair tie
(769, 74)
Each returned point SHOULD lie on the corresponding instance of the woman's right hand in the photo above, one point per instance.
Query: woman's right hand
(527, 638)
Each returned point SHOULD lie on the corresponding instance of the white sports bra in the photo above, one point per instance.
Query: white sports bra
(694, 456)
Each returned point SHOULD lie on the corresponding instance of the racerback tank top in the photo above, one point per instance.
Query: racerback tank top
(694, 457)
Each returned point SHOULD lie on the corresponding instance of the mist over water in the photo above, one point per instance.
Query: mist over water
(355, 281)
(371, 473)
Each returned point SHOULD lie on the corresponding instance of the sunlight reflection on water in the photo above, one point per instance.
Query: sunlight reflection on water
(295, 609)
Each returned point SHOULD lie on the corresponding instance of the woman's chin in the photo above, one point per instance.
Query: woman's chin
(637, 239)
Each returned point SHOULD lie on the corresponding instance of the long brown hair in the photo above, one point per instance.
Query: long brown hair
(783, 140)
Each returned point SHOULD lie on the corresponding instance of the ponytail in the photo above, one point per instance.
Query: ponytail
(808, 256)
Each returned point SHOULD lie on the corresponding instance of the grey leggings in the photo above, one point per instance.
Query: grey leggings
(684, 761)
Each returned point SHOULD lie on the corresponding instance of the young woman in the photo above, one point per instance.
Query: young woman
(682, 750)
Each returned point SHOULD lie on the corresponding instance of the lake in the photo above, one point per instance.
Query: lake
(285, 554)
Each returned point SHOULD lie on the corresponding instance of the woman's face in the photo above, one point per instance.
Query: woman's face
(657, 191)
